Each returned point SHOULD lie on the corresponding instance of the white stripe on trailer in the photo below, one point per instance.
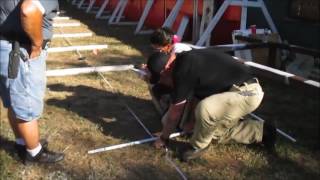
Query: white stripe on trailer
(86, 70)
(76, 48)
(73, 35)
(66, 24)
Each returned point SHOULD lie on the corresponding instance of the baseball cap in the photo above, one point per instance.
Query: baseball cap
(156, 63)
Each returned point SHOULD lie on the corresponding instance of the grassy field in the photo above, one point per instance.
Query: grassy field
(83, 113)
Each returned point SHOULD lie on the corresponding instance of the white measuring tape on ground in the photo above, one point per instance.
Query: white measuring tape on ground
(84, 70)
(72, 35)
(76, 48)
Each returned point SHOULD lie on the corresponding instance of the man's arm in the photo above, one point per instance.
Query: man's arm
(175, 113)
(31, 22)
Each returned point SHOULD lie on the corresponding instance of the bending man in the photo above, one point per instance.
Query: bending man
(227, 92)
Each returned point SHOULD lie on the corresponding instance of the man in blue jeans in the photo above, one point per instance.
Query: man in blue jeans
(25, 29)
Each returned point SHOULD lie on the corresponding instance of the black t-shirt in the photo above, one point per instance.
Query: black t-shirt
(10, 23)
(204, 72)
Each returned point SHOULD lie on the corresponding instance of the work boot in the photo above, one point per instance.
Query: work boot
(21, 149)
(269, 137)
(191, 153)
(44, 156)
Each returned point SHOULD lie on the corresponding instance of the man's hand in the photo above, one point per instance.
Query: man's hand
(158, 144)
(35, 51)
(147, 75)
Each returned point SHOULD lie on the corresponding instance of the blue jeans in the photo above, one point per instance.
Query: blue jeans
(24, 94)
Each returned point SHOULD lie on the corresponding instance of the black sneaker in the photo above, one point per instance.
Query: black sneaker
(44, 156)
(21, 149)
(191, 153)
(269, 137)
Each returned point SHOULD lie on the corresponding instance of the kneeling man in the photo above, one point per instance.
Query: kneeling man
(227, 92)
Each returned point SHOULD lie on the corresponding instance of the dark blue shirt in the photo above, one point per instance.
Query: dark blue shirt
(10, 22)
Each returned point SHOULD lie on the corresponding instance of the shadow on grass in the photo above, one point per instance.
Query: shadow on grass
(106, 109)
(8, 146)
(294, 111)
(281, 168)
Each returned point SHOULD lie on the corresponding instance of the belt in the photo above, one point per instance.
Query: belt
(2, 37)
(249, 81)
(45, 42)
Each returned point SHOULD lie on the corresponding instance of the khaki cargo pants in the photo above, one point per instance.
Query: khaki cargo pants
(218, 117)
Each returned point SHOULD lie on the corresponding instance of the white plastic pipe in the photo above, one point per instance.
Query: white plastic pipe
(118, 146)
(279, 72)
(278, 130)
(66, 24)
(84, 70)
(76, 48)
(72, 35)
(61, 18)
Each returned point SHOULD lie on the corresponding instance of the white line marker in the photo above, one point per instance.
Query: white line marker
(85, 70)
(278, 130)
(61, 18)
(66, 24)
(118, 146)
(76, 48)
(73, 35)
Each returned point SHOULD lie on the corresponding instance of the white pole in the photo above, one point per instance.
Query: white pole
(173, 14)
(115, 11)
(278, 130)
(76, 48)
(244, 12)
(66, 24)
(73, 35)
(213, 22)
(61, 18)
(268, 17)
(80, 4)
(86, 70)
(144, 16)
(123, 6)
(182, 26)
(108, 148)
(286, 75)
(90, 6)
(104, 5)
